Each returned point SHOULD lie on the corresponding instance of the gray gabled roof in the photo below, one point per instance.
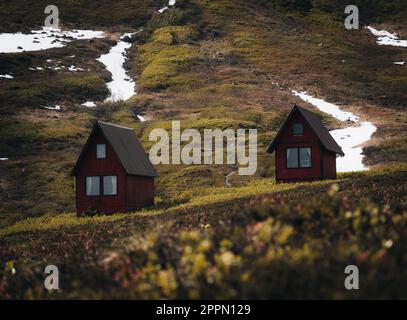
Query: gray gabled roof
(127, 148)
(317, 126)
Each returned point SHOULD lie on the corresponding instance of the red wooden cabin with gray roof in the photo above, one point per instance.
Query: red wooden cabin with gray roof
(304, 148)
(113, 172)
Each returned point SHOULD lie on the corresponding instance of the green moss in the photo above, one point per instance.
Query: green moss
(174, 34)
(161, 60)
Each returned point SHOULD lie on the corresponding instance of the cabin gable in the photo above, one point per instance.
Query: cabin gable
(91, 164)
(288, 134)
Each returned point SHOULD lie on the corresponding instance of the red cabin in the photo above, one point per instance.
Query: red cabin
(304, 148)
(113, 172)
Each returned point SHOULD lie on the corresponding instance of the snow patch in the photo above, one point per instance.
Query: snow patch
(349, 138)
(89, 104)
(163, 9)
(385, 38)
(74, 69)
(171, 3)
(141, 118)
(43, 39)
(327, 107)
(56, 107)
(122, 87)
(6, 76)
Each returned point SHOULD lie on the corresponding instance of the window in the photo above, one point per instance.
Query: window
(100, 151)
(92, 186)
(298, 158)
(305, 157)
(292, 158)
(298, 129)
(109, 185)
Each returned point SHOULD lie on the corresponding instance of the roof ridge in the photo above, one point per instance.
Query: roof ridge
(114, 125)
(317, 126)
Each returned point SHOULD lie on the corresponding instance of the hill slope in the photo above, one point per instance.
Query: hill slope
(292, 241)
(211, 64)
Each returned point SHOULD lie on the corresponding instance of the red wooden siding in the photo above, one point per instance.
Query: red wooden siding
(140, 192)
(329, 165)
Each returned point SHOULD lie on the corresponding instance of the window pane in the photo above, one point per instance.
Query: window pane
(92, 186)
(298, 129)
(110, 185)
(305, 157)
(100, 151)
(292, 158)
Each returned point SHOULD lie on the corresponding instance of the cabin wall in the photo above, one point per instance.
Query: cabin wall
(140, 192)
(284, 174)
(90, 166)
(288, 140)
(329, 165)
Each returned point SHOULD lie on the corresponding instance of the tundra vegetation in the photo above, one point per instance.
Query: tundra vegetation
(210, 64)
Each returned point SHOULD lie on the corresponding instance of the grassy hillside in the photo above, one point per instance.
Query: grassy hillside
(211, 64)
(292, 241)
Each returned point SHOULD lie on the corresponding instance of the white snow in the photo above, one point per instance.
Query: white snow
(401, 63)
(163, 9)
(43, 39)
(349, 138)
(89, 104)
(74, 69)
(171, 3)
(6, 76)
(385, 38)
(3, 159)
(327, 107)
(56, 107)
(141, 118)
(122, 87)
